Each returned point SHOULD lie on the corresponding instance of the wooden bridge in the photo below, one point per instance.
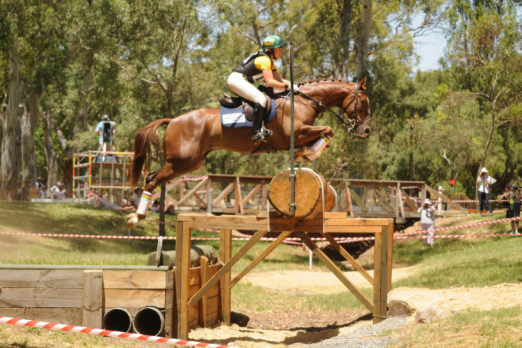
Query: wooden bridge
(239, 195)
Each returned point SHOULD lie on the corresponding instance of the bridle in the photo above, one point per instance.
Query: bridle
(352, 122)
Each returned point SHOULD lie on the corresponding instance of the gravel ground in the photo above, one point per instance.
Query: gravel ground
(369, 336)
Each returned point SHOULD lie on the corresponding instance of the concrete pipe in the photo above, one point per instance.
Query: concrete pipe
(117, 319)
(149, 321)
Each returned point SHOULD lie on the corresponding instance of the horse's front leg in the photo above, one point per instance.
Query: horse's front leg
(310, 133)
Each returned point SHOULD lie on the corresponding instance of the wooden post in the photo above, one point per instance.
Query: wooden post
(239, 203)
(348, 199)
(92, 298)
(183, 236)
(209, 197)
(384, 274)
(377, 279)
(225, 252)
(204, 303)
(264, 193)
(389, 255)
(170, 312)
(370, 196)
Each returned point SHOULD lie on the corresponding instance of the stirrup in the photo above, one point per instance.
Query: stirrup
(267, 134)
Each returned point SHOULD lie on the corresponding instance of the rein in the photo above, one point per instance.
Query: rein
(350, 123)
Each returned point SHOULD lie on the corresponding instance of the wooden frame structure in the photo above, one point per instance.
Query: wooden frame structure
(360, 198)
(91, 172)
(382, 229)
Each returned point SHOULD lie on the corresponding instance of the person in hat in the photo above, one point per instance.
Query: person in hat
(257, 67)
(106, 129)
(427, 212)
(514, 206)
(39, 186)
(483, 183)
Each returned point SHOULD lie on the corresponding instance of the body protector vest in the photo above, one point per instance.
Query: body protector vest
(248, 68)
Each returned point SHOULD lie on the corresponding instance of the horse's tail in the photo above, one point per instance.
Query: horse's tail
(142, 151)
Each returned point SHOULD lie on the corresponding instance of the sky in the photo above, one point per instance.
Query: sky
(430, 48)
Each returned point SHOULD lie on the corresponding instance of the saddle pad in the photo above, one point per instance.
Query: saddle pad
(235, 118)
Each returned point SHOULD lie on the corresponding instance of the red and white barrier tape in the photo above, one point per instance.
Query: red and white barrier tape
(108, 333)
(492, 222)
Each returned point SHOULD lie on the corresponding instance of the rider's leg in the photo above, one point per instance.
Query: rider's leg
(238, 85)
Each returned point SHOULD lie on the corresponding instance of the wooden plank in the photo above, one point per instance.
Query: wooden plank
(264, 195)
(193, 191)
(204, 304)
(170, 311)
(370, 198)
(336, 271)
(134, 298)
(251, 194)
(225, 252)
(384, 201)
(286, 227)
(60, 279)
(399, 198)
(377, 280)
(183, 235)
(40, 297)
(92, 298)
(213, 318)
(222, 195)
(384, 277)
(239, 204)
(134, 280)
(71, 316)
(259, 258)
(228, 265)
(358, 201)
(348, 199)
(389, 255)
(341, 215)
(408, 201)
(348, 257)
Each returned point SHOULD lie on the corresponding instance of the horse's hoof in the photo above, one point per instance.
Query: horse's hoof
(132, 220)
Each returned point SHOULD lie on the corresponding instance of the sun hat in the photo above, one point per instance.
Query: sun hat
(484, 170)
(427, 202)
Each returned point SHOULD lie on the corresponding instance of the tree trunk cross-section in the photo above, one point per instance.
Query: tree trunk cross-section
(308, 194)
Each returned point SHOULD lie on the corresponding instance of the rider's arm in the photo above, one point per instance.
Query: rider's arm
(279, 78)
(271, 80)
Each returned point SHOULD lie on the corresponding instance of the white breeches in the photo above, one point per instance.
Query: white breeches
(241, 87)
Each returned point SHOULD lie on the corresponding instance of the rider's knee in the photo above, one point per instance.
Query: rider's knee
(262, 101)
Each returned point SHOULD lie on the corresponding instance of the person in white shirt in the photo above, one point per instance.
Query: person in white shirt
(428, 222)
(58, 191)
(483, 183)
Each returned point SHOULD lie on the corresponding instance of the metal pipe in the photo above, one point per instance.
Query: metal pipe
(149, 321)
(117, 319)
(292, 140)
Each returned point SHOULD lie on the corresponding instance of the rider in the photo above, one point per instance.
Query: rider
(258, 67)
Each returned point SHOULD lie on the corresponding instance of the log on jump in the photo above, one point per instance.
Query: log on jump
(309, 188)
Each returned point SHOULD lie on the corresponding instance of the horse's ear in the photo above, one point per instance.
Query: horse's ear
(362, 83)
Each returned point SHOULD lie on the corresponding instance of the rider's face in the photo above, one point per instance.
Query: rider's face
(278, 52)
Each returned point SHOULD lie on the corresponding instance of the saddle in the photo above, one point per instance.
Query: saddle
(248, 106)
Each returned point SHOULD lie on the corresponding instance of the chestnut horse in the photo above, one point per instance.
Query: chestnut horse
(189, 138)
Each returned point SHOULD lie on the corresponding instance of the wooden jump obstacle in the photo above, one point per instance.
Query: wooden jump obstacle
(246, 194)
(82, 295)
(334, 223)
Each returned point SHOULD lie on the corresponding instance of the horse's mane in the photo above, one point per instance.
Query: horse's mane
(324, 80)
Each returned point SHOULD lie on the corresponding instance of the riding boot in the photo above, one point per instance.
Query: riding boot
(260, 132)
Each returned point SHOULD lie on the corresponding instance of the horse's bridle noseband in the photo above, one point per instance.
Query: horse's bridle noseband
(352, 122)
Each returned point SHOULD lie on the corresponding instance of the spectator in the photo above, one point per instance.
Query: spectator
(58, 191)
(428, 222)
(169, 207)
(102, 203)
(483, 183)
(106, 129)
(514, 206)
(137, 196)
(39, 186)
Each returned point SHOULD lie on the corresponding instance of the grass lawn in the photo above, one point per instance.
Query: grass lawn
(470, 262)
(472, 328)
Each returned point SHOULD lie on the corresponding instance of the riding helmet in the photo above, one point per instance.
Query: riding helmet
(272, 41)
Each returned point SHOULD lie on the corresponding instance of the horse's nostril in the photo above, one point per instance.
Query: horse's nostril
(367, 131)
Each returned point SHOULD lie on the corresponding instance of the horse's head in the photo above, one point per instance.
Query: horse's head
(357, 107)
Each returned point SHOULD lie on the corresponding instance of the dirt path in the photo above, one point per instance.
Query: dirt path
(310, 282)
